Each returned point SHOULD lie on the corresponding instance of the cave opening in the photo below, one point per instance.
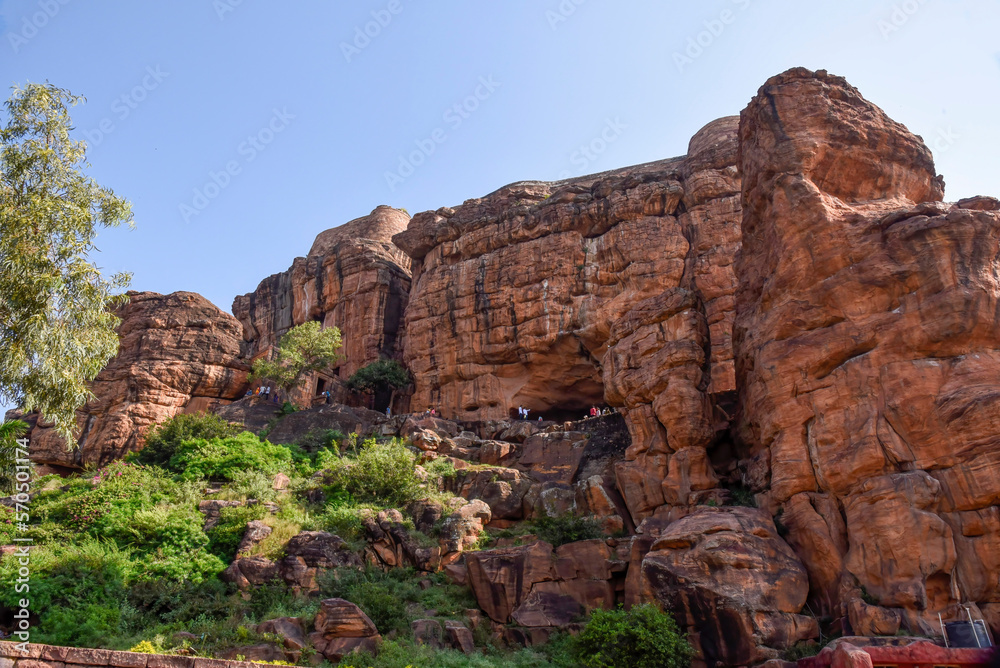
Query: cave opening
(559, 402)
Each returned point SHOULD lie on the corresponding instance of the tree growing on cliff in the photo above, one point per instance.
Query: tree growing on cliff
(57, 325)
(302, 350)
(379, 378)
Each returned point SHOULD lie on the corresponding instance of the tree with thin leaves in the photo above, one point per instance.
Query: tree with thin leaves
(57, 321)
(301, 351)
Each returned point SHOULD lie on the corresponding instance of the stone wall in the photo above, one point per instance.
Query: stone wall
(50, 656)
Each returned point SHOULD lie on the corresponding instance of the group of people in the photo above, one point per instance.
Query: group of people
(597, 412)
(432, 412)
(522, 413)
(263, 391)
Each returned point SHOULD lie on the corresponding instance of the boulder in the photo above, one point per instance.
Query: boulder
(342, 628)
(501, 579)
(427, 632)
(872, 620)
(249, 572)
(717, 569)
(256, 532)
(458, 636)
(289, 628)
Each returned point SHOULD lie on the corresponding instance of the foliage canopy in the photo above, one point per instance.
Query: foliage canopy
(303, 349)
(380, 375)
(57, 320)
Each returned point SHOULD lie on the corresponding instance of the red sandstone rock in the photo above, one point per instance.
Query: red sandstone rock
(866, 348)
(553, 457)
(506, 326)
(338, 618)
(718, 569)
(178, 353)
(501, 579)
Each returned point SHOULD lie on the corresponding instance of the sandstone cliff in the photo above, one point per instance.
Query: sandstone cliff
(515, 295)
(788, 316)
(868, 359)
(860, 408)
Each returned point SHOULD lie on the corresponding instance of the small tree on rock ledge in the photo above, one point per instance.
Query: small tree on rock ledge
(302, 350)
(380, 379)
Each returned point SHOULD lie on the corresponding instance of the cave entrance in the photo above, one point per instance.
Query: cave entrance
(320, 385)
(560, 403)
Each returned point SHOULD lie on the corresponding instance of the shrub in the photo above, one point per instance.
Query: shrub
(345, 521)
(380, 375)
(163, 440)
(78, 591)
(642, 637)
(802, 649)
(144, 647)
(223, 458)
(381, 473)
(252, 484)
(741, 495)
(566, 529)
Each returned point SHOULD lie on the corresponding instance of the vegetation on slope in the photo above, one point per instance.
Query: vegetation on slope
(122, 558)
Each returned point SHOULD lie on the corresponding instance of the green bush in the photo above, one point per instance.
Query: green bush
(78, 591)
(251, 484)
(163, 440)
(566, 529)
(382, 473)
(223, 458)
(802, 649)
(741, 495)
(642, 637)
(343, 520)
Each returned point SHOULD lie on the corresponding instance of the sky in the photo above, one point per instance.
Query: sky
(240, 129)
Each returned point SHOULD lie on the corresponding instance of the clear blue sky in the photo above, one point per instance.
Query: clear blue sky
(182, 86)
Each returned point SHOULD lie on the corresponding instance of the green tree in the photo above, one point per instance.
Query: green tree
(643, 637)
(57, 320)
(380, 378)
(302, 350)
(10, 431)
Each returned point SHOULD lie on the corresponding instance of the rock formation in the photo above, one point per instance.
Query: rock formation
(867, 355)
(178, 353)
(514, 295)
(789, 316)
(353, 278)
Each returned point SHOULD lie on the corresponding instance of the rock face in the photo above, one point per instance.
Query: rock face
(178, 353)
(353, 278)
(867, 355)
(727, 574)
(514, 295)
